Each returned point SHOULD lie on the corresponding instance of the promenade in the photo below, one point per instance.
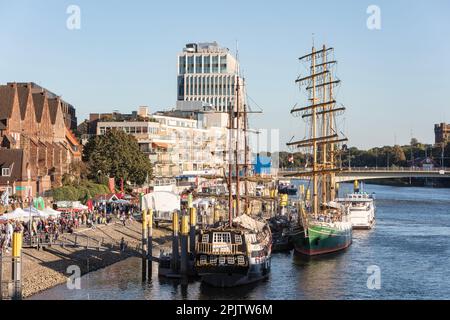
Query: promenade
(89, 249)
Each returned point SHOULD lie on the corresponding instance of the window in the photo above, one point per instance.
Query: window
(230, 259)
(198, 64)
(215, 64)
(222, 260)
(238, 239)
(190, 64)
(6, 172)
(223, 64)
(213, 259)
(223, 237)
(205, 238)
(182, 64)
(241, 260)
(203, 259)
(207, 64)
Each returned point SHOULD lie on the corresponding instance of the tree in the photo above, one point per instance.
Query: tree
(414, 142)
(399, 157)
(117, 155)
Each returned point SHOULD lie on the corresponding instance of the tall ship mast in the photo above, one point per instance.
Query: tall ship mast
(324, 225)
(236, 252)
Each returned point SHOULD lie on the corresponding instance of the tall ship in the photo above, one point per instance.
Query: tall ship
(238, 251)
(323, 224)
(361, 207)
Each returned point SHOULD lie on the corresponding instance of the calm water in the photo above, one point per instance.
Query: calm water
(410, 244)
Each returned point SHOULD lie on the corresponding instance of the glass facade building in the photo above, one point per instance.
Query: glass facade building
(208, 73)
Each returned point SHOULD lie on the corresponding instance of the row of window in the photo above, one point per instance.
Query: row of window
(208, 85)
(202, 64)
(131, 130)
(222, 237)
(222, 260)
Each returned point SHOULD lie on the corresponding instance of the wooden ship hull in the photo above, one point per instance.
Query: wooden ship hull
(234, 256)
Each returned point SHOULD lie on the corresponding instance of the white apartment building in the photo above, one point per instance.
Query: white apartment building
(177, 145)
(208, 73)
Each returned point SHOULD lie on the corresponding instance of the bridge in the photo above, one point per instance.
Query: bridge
(351, 174)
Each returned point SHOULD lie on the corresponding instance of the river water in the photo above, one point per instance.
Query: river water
(410, 245)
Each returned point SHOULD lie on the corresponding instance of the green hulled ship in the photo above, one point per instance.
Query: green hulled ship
(323, 224)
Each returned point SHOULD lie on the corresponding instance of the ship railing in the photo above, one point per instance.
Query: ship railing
(218, 249)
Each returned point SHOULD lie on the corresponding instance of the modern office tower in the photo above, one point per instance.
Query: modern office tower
(208, 73)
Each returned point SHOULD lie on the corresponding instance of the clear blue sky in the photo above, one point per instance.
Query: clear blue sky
(395, 80)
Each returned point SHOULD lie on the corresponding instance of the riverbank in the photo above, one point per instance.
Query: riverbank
(46, 268)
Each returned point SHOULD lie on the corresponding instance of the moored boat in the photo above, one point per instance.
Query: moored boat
(361, 209)
(280, 227)
(233, 256)
(323, 224)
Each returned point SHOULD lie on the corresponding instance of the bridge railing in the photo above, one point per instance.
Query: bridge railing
(375, 169)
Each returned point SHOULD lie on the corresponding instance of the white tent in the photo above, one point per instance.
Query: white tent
(51, 213)
(35, 213)
(162, 201)
(17, 214)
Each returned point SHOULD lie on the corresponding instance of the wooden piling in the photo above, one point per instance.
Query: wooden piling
(193, 225)
(17, 265)
(144, 245)
(175, 252)
(150, 243)
(184, 244)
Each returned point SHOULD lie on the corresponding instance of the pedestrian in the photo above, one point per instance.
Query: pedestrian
(122, 244)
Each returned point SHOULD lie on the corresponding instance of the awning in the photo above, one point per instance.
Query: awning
(160, 145)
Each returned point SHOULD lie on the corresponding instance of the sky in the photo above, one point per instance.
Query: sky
(395, 79)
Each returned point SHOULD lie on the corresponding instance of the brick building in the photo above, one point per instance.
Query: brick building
(34, 136)
(441, 133)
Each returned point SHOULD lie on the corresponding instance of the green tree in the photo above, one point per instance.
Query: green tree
(116, 154)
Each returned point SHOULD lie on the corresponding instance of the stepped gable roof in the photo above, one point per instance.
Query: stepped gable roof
(23, 94)
(39, 99)
(6, 101)
(53, 105)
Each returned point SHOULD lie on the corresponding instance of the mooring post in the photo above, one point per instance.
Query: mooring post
(144, 245)
(216, 215)
(184, 244)
(17, 265)
(175, 253)
(193, 223)
(150, 243)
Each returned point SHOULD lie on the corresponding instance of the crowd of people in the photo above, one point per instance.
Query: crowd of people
(51, 228)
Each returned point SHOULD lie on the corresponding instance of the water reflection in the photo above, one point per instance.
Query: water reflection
(409, 243)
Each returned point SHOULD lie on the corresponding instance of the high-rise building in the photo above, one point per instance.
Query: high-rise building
(208, 73)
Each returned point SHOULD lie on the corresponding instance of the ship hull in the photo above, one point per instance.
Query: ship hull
(234, 278)
(321, 240)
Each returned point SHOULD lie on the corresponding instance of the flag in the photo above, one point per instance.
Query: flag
(111, 185)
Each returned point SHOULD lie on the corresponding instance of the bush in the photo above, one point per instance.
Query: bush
(86, 190)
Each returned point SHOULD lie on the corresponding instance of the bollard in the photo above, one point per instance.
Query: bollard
(301, 191)
(356, 186)
(17, 265)
(175, 253)
(193, 223)
(144, 245)
(216, 215)
(184, 244)
(150, 243)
